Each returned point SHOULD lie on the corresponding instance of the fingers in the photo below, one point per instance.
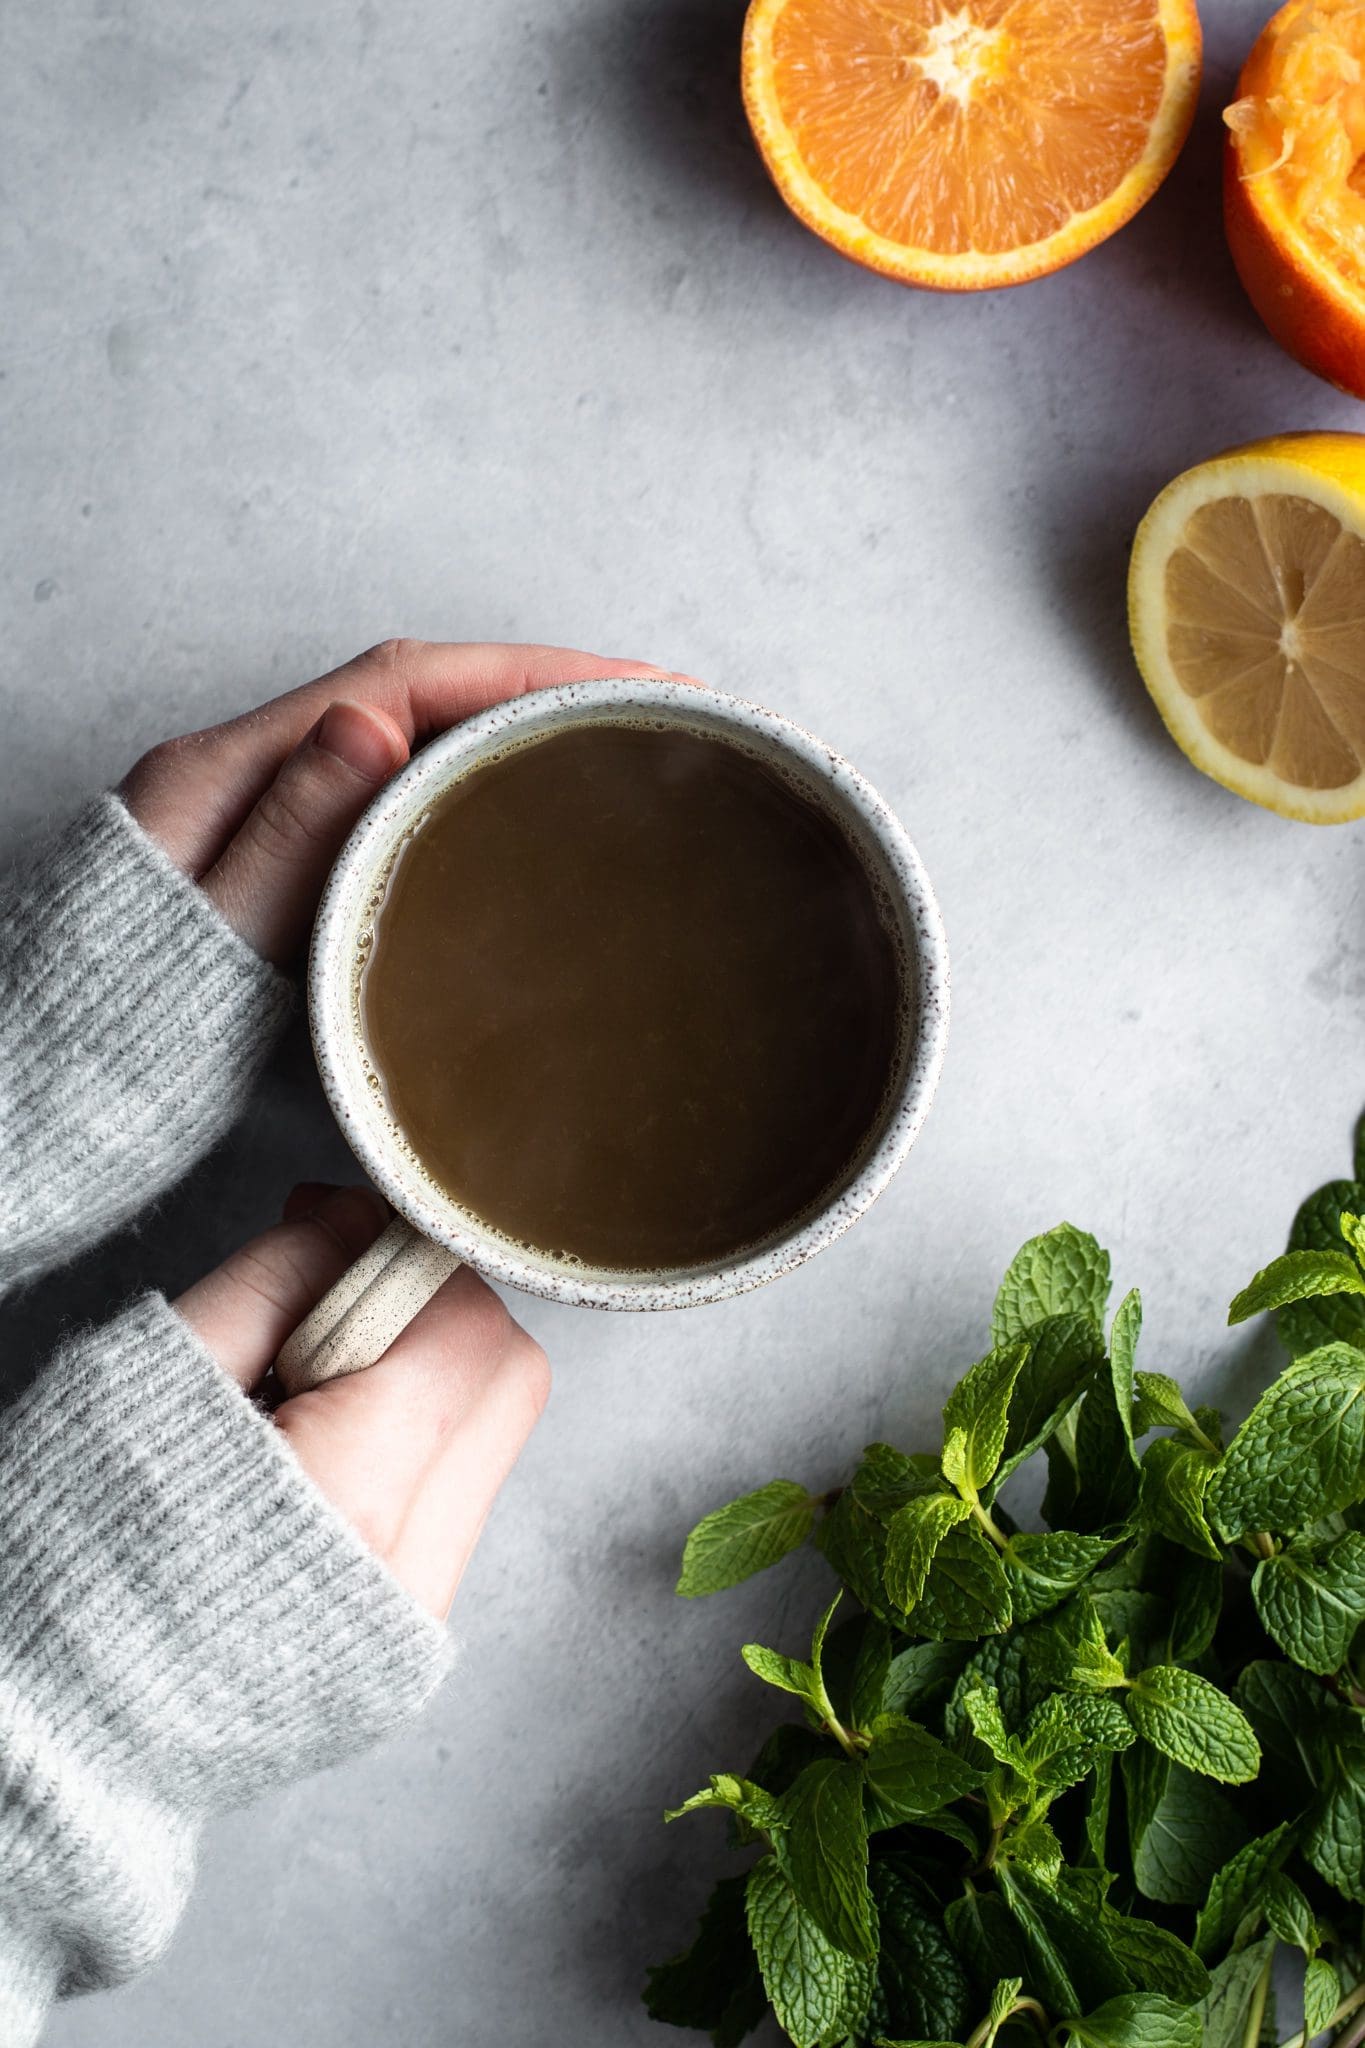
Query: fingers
(426, 685)
(413, 1450)
(192, 794)
(244, 1311)
(267, 881)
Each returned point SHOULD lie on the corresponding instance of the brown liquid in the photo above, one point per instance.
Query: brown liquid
(631, 998)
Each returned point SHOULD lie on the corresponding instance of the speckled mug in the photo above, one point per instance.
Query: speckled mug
(432, 1235)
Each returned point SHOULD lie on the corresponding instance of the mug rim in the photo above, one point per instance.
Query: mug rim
(368, 853)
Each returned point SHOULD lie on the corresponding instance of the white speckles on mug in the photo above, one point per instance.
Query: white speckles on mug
(344, 931)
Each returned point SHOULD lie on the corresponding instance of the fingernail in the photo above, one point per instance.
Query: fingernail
(355, 736)
(353, 1216)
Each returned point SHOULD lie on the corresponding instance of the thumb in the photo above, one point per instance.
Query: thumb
(243, 1311)
(267, 881)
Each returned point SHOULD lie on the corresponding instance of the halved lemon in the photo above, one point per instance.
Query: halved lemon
(1246, 603)
(966, 143)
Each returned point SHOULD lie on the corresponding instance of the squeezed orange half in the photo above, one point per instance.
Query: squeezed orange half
(1295, 185)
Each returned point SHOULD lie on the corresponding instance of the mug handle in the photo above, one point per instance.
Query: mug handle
(357, 1320)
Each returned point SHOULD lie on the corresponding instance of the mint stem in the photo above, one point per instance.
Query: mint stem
(982, 2036)
(1353, 2035)
(1256, 2010)
(991, 1527)
(835, 1726)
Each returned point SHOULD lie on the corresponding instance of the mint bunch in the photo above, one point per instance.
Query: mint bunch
(1083, 1786)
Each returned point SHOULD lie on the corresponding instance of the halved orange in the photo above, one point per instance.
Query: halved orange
(1294, 187)
(1246, 601)
(982, 143)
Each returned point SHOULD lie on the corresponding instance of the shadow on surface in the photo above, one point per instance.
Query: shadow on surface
(668, 78)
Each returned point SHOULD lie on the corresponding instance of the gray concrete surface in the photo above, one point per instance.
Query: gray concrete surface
(322, 323)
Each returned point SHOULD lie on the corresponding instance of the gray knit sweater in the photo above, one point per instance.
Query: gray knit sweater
(184, 1620)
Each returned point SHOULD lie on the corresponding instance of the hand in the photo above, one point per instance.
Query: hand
(257, 809)
(413, 1450)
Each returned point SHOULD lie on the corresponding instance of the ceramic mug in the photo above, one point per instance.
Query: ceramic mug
(431, 1234)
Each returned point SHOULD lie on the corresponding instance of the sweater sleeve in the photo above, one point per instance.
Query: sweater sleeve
(133, 1022)
(184, 1621)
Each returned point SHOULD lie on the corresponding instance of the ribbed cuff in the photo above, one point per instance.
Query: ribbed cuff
(30, 1973)
(133, 1021)
(184, 1621)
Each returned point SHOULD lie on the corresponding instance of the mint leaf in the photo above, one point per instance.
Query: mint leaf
(1142, 1620)
(1189, 1720)
(1353, 1234)
(746, 1537)
(986, 1935)
(1173, 1486)
(1154, 1957)
(911, 1773)
(1100, 1720)
(1336, 1318)
(922, 1990)
(1289, 1915)
(955, 1829)
(860, 1988)
(824, 1853)
(1160, 1404)
(1300, 1454)
(1311, 1599)
(853, 1543)
(1063, 1272)
(1223, 2014)
(1334, 1835)
(715, 1984)
(1074, 1651)
(920, 1674)
(1045, 1570)
(1139, 2019)
(1123, 1341)
(1283, 1706)
(982, 1708)
(1296, 1276)
(966, 1594)
(1321, 1995)
(1033, 1846)
(1236, 1889)
(1073, 1965)
(976, 1417)
(1106, 1468)
(1063, 1353)
(1180, 1829)
(1002, 2000)
(998, 1663)
(749, 1801)
(887, 1478)
(1099, 1801)
(1063, 1738)
(871, 1670)
(788, 1674)
(913, 1535)
(1196, 1606)
(803, 1974)
(817, 1644)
